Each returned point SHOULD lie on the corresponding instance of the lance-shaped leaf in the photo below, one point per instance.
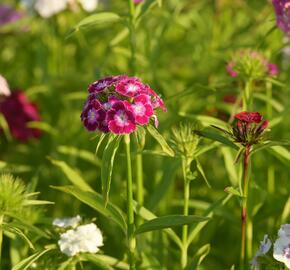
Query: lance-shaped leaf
(107, 165)
(216, 137)
(164, 222)
(96, 201)
(160, 139)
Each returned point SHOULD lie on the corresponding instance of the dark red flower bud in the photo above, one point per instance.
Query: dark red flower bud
(249, 117)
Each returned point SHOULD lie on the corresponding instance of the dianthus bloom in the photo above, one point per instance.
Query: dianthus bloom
(282, 245)
(18, 111)
(282, 9)
(118, 104)
(138, 1)
(8, 15)
(250, 63)
(85, 238)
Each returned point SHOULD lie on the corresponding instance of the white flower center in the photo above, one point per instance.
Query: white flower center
(139, 109)
(132, 88)
(121, 118)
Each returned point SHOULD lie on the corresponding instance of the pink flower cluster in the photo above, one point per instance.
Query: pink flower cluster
(118, 104)
(282, 9)
(18, 111)
(244, 59)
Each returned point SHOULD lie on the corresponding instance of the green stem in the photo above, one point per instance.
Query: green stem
(243, 259)
(139, 178)
(132, 37)
(1, 236)
(185, 212)
(130, 212)
(247, 96)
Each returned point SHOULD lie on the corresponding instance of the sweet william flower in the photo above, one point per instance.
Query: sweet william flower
(18, 111)
(85, 238)
(118, 104)
(282, 10)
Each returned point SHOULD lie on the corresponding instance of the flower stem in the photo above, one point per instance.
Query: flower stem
(244, 207)
(185, 212)
(139, 178)
(130, 212)
(132, 37)
(1, 236)
(247, 96)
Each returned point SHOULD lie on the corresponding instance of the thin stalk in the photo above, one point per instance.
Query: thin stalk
(185, 213)
(247, 96)
(1, 236)
(132, 36)
(243, 259)
(139, 178)
(130, 212)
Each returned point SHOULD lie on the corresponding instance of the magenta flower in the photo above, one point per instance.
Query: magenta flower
(249, 117)
(118, 104)
(120, 118)
(137, 1)
(18, 111)
(142, 109)
(282, 9)
(8, 15)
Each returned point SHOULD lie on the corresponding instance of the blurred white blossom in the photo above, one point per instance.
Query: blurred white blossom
(48, 8)
(4, 87)
(284, 231)
(89, 5)
(265, 246)
(282, 250)
(67, 222)
(85, 238)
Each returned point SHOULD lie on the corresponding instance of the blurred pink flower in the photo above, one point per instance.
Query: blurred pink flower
(138, 1)
(18, 111)
(8, 14)
(282, 9)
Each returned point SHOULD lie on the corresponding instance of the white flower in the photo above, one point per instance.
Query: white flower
(282, 250)
(284, 231)
(85, 238)
(89, 5)
(4, 87)
(67, 222)
(48, 8)
(265, 246)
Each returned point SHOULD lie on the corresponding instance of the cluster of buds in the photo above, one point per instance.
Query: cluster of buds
(249, 128)
(118, 104)
(282, 9)
(250, 64)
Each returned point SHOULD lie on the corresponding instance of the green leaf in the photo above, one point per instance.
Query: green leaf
(144, 7)
(107, 165)
(160, 223)
(104, 262)
(201, 171)
(286, 212)
(4, 126)
(14, 230)
(36, 202)
(80, 153)
(216, 137)
(26, 263)
(208, 213)
(148, 215)
(199, 257)
(229, 165)
(102, 18)
(42, 126)
(96, 201)
(101, 139)
(281, 151)
(160, 139)
(71, 174)
(269, 144)
(233, 191)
